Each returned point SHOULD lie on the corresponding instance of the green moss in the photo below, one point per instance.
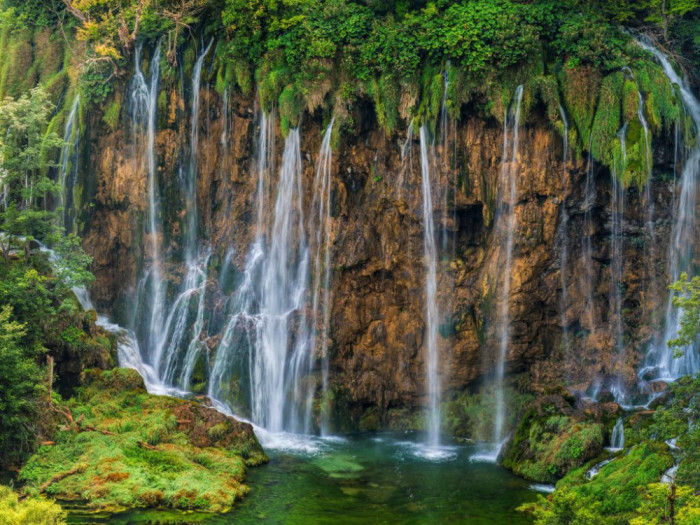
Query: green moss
(545, 89)
(580, 87)
(547, 444)
(291, 105)
(432, 94)
(607, 121)
(386, 94)
(662, 106)
(112, 113)
(135, 452)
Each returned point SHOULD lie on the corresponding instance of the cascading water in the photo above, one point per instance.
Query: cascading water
(69, 165)
(431, 309)
(563, 236)
(245, 323)
(143, 100)
(617, 441)
(268, 330)
(660, 362)
(170, 332)
(616, 262)
(648, 168)
(281, 360)
(191, 233)
(169, 362)
(321, 224)
(506, 227)
(586, 238)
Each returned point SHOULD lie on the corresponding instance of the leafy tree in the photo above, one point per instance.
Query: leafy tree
(688, 299)
(21, 384)
(663, 504)
(24, 168)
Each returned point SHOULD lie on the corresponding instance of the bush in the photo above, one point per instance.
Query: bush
(31, 511)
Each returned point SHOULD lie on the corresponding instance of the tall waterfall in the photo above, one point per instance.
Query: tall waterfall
(563, 236)
(281, 354)
(245, 323)
(143, 106)
(617, 262)
(191, 179)
(321, 224)
(431, 309)
(506, 227)
(586, 238)
(660, 362)
(648, 168)
(268, 334)
(69, 165)
(169, 330)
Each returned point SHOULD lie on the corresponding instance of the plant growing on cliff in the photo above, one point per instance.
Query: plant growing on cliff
(687, 298)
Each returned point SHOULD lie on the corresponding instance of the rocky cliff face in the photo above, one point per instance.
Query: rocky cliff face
(377, 320)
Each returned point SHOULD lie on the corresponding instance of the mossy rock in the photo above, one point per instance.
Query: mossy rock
(550, 441)
(127, 448)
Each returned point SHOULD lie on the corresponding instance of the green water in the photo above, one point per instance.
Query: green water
(363, 480)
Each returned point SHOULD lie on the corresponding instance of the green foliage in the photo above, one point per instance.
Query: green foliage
(627, 490)
(589, 40)
(610, 498)
(135, 453)
(687, 298)
(21, 384)
(24, 168)
(663, 504)
(547, 444)
(605, 145)
(30, 511)
(111, 116)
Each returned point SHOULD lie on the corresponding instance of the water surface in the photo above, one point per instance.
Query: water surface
(385, 478)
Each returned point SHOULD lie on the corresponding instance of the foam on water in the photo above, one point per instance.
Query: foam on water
(540, 487)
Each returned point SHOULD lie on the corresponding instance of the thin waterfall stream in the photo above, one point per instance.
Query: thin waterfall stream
(69, 166)
(563, 236)
(431, 308)
(321, 224)
(506, 227)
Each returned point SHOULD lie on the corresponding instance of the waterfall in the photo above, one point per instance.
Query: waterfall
(169, 363)
(617, 264)
(191, 181)
(68, 174)
(321, 224)
(143, 100)
(268, 335)
(506, 226)
(431, 309)
(563, 236)
(224, 114)
(444, 140)
(244, 327)
(660, 362)
(586, 234)
(281, 360)
(617, 441)
(648, 199)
